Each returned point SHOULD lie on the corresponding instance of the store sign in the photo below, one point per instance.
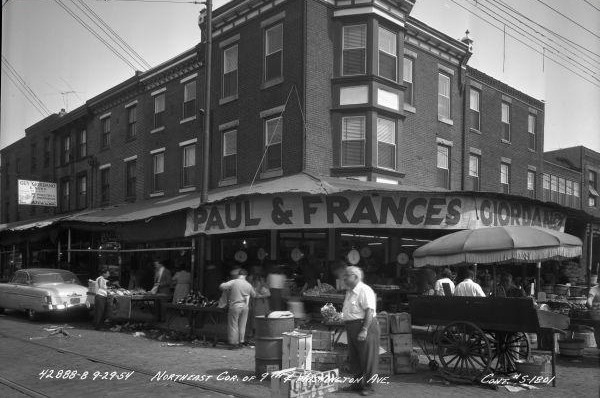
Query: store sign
(356, 210)
(37, 193)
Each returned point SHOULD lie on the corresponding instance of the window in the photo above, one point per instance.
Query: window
(505, 177)
(273, 138)
(229, 168)
(593, 188)
(531, 183)
(576, 193)
(159, 110)
(105, 185)
(353, 141)
(388, 61)
(562, 188)
(33, 156)
(505, 121)
(65, 191)
(81, 191)
(131, 122)
(158, 172)
(274, 52)
(82, 144)
(546, 186)
(531, 119)
(553, 188)
(443, 96)
(18, 165)
(46, 151)
(474, 104)
(443, 166)
(130, 178)
(569, 193)
(354, 50)
(188, 166)
(407, 76)
(230, 71)
(106, 132)
(386, 143)
(189, 99)
(474, 171)
(66, 149)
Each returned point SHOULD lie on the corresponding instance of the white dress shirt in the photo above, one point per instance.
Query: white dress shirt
(439, 286)
(357, 301)
(469, 288)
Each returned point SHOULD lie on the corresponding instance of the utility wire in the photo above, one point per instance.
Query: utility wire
(25, 94)
(568, 18)
(95, 17)
(24, 85)
(591, 5)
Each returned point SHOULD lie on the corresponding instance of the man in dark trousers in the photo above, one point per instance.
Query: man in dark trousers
(362, 328)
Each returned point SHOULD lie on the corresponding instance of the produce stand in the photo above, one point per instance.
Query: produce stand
(477, 335)
(203, 321)
(133, 307)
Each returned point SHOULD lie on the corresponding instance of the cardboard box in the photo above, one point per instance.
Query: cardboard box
(400, 323)
(402, 343)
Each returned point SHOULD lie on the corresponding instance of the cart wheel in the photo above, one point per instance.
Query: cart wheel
(464, 351)
(507, 348)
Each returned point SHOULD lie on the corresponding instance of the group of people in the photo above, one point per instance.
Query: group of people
(444, 286)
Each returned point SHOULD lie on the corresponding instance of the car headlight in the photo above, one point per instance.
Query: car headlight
(48, 299)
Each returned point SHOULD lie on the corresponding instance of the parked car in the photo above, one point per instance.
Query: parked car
(43, 290)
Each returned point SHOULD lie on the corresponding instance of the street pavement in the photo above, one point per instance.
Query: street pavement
(27, 350)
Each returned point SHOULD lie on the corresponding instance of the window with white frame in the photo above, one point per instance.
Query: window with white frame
(81, 191)
(105, 185)
(474, 171)
(388, 59)
(66, 155)
(386, 143)
(505, 177)
(274, 52)
(82, 144)
(273, 142)
(353, 141)
(592, 188)
(131, 122)
(505, 107)
(531, 121)
(130, 178)
(65, 194)
(229, 165)
(474, 106)
(105, 132)
(189, 99)
(188, 165)
(230, 71)
(554, 188)
(546, 187)
(407, 77)
(569, 193)
(354, 50)
(443, 96)
(159, 110)
(158, 172)
(562, 190)
(531, 183)
(443, 166)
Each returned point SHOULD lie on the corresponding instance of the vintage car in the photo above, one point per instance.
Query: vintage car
(43, 290)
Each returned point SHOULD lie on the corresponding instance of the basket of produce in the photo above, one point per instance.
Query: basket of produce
(330, 314)
(318, 290)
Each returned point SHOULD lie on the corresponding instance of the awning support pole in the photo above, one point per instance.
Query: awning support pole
(69, 245)
(58, 253)
(538, 278)
(495, 283)
(193, 262)
(201, 262)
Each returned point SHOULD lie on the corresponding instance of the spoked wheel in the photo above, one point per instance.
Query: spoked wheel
(464, 351)
(507, 349)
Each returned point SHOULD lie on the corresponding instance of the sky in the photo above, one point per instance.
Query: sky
(65, 65)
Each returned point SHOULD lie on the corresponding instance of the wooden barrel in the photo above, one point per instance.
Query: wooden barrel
(269, 343)
(571, 347)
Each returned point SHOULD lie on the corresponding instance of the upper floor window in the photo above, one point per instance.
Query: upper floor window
(104, 185)
(474, 171)
(82, 144)
(354, 50)
(562, 190)
(531, 119)
(33, 156)
(274, 52)
(443, 166)
(158, 172)
(388, 60)
(47, 151)
(443, 96)
(386, 143)
(474, 104)
(66, 155)
(130, 178)
(159, 110)
(531, 183)
(506, 121)
(188, 165)
(505, 177)
(273, 142)
(81, 191)
(106, 132)
(131, 122)
(189, 99)
(65, 194)
(230, 71)
(546, 187)
(353, 141)
(229, 166)
(407, 77)
(592, 188)
(554, 188)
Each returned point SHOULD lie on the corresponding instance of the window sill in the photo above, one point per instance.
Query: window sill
(271, 173)
(504, 141)
(472, 130)
(228, 181)
(189, 119)
(410, 108)
(157, 194)
(227, 100)
(446, 121)
(187, 189)
(271, 83)
(157, 130)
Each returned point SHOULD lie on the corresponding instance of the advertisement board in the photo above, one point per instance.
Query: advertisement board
(37, 193)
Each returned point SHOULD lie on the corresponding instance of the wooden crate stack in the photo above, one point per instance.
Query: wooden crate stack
(323, 356)
(405, 361)
(385, 366)
(296, 350)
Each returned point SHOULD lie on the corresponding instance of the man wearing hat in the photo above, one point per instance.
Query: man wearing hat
(446, 276)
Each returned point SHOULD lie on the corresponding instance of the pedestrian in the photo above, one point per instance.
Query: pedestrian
(362, 328)
(101, 297)
(240, 292)
(162, 279)
(507, 288)
(182, 280)
(259, 305)
(445, 277)
(593, 303)
(468, 287)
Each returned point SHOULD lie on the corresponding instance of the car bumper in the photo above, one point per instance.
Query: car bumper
(64, 307)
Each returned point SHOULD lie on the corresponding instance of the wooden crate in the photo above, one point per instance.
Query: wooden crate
(301, 383)
(401, 343)
(405, 363)
(385, 365)
(326, 360)
(385, 343)
(296, 350)
(321, 339)
(384, 323)
(400, 323)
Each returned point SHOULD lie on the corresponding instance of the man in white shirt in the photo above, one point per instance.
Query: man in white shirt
(438, 287)
(468, 287)
(239, 293)
(362, 328)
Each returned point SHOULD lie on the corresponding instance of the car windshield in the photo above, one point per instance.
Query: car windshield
(55, 276)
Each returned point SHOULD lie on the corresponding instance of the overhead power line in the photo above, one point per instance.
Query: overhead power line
(592, 5)
(24, 88)
(568, 18)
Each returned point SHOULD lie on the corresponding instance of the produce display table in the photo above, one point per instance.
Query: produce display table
(204, 321)
(134, 308)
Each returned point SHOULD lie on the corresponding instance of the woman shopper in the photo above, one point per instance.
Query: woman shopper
(101, 297)
(182, 280)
